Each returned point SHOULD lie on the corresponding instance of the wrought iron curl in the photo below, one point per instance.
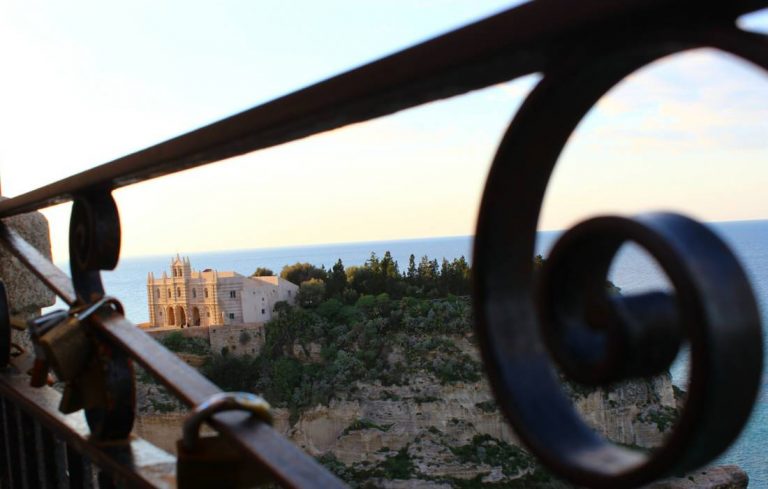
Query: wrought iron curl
(94, 242)
(713, 305)
(94, 245)
(597, 337)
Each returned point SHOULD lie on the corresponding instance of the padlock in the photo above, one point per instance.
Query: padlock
(214, 461)
(62, 343)
(67, 348)
(86, 391)
(38, 327)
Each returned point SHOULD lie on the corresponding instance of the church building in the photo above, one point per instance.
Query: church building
(188, 298)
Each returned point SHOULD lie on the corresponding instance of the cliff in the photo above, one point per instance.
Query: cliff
(426, 417)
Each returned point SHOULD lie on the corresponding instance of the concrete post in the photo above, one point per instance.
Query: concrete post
(26, 294)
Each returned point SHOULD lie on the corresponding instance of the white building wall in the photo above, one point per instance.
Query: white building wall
(256, 305)
(278, 290)
(211, 298)
(229, 295)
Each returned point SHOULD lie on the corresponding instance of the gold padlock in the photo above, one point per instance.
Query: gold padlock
(214, 461)
(67, 349)
(62, 342)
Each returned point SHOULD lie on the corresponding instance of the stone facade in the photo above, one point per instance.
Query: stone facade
(26, 293)
(188, 298)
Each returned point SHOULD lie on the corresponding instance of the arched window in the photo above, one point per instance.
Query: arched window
(157, 293)
(205, 292)
(178, 291)
(169, 293)
(194, 293)
(170, 317)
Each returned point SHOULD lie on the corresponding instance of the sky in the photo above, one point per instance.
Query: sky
(87, 82)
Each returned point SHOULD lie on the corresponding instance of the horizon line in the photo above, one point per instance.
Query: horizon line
(365, 241)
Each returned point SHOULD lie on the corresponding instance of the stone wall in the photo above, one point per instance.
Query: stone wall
(238, 339)
(26, 294)
(195, 332)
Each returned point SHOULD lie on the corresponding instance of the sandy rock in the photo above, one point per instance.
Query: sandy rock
(721, 477)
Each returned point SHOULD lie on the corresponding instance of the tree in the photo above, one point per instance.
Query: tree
(302, 272)
(390, 272)
(455, 277)
(428, 273)
(311, 293)
(388, 266)
(337, 280)
(412, 272)
(263, 272)
(366, 279)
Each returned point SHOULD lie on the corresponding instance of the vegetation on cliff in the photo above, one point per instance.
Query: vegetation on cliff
(377, 340)
(423, 279)
(395, 343)
(177, 342)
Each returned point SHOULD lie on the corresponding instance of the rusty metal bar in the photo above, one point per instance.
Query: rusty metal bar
(5, 468)
(27, 447)
(285, 461)
(38, 264)
(79, 469)
(136, 461)
(513, 43)
(15, 449)
(46, 459)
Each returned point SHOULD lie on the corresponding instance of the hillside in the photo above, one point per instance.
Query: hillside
(390, 393)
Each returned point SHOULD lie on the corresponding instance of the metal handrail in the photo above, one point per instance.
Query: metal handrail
(514, 43)
(275, 453)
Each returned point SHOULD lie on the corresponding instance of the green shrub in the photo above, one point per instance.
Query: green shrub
(178, 343)
(364, 424)
(244, 337)
(488, 406)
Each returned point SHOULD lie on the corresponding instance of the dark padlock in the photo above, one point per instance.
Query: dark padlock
(63, 343)
(86, 391)
(67, 349)
(214, 461)
(38, 327)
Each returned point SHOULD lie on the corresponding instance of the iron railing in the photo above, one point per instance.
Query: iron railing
(582, 49)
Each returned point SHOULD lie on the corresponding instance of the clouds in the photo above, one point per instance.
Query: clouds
(699, 99)
(82, 88)
(687, 133)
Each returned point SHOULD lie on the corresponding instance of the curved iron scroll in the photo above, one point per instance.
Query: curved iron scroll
(713, 305)
(94, 245)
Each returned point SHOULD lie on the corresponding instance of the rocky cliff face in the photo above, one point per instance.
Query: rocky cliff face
(426, 434)
(434, 428)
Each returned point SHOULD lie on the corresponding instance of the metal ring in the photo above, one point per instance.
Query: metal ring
(223, 401)
(516, 360)
(82, 312)
(94, 241)
(597, 337)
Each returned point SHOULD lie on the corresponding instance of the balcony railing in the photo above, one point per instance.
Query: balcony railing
(582, 49)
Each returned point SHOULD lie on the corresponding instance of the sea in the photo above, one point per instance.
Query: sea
(633, 271)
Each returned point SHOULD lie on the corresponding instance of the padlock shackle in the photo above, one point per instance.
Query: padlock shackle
(82, 312)
(223, 401)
